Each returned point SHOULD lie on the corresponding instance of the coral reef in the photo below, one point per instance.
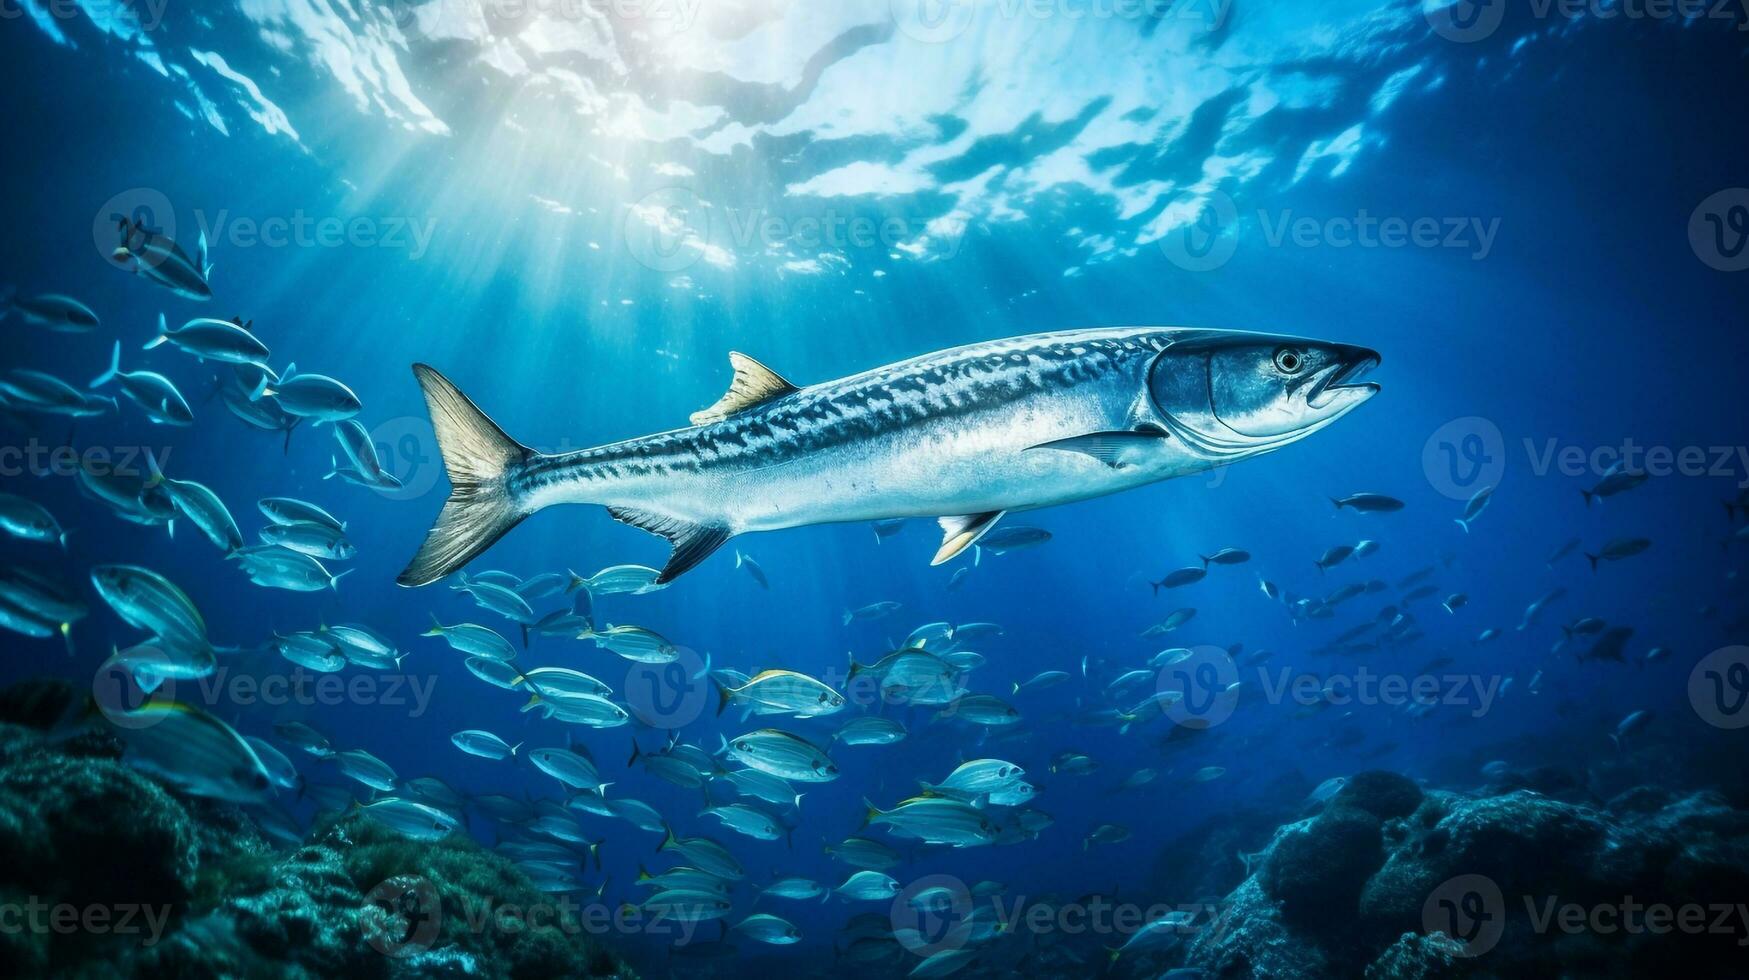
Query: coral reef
(187, 888)
(1390, 881)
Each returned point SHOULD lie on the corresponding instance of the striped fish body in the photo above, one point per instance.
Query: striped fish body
(944, 434)
(963, 435)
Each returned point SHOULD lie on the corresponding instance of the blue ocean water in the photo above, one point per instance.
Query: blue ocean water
(577, 215)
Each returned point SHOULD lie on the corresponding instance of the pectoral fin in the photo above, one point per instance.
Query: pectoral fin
(754, 384)
(960, 533)
(692, 543)
(1114, 449)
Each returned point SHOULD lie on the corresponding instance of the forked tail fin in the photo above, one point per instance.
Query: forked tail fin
(478, 458)
(114, 368)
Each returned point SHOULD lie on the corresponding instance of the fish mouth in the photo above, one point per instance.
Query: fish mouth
(1340, 382)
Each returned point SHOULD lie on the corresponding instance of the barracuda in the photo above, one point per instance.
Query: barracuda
(963, 435)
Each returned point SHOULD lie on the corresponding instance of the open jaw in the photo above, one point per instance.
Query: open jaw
(1340, 384)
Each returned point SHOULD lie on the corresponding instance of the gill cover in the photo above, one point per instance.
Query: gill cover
(1237, 394)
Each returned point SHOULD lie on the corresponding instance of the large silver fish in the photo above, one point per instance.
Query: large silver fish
(962, 435)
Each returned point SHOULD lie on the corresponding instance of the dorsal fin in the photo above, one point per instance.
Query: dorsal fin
(754, 384)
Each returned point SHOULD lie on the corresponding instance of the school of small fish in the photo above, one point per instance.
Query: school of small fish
(791, 724)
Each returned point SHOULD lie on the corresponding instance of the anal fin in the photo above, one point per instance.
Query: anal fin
(692, 543)
(961, 532)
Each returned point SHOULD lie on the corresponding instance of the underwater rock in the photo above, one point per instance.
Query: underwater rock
(1355, 894)
(1418, 957)
(1250, 939)
(81, 829)
(1385, 795)
(1212, 859)
(1317, 868)
(1558, 782)
(1519, 840)
(363, 901)
(37, 703)
(86, 832)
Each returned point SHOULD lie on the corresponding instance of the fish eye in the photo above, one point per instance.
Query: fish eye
(1288, 360)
